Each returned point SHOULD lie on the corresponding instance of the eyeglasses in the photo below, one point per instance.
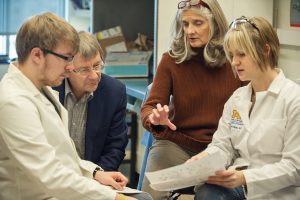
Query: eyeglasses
(66, 58)
(240, 20)
(86, 70)
(189, 3)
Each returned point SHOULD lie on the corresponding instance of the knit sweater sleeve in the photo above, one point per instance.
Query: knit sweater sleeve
(160, 92)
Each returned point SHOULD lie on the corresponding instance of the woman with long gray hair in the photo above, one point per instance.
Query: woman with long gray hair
(191, 85)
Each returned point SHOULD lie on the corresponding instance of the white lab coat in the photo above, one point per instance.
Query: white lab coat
(38, 159)
(268, 143)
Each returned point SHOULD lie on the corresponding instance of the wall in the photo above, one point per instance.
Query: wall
(166, 12)
(290, 38)
(79, 18)
(249, 8)
(231, 8)
(270, 9)
(16, 12)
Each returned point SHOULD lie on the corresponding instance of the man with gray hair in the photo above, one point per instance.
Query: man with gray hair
(97, 107)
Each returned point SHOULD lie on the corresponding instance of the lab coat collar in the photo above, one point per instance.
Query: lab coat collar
(274, 87)
(243, 96)
(14, 71)
(277, 83)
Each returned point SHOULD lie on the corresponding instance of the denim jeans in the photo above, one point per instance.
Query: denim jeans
(163, 154)
(214, 192)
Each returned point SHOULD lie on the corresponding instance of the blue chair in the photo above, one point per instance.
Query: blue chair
(147, 140)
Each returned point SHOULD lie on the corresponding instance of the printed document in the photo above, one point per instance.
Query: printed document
(187, 174)
(128, 190)
(125, 191)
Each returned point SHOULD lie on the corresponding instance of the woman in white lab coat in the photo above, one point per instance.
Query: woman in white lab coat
(259, 131)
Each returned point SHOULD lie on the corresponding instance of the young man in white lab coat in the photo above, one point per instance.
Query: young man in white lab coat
(38, 158)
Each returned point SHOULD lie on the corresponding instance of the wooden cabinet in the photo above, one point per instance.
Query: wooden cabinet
(134, 16)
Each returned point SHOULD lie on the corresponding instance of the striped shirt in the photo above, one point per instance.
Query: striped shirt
(77, 111)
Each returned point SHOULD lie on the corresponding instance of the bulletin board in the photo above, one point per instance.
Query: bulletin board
(295, 13)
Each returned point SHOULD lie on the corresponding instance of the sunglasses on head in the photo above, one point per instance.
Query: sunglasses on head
(241, 20)
(189, 3)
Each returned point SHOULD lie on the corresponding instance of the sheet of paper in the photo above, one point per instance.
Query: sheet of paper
(187, 174)
(126, 190)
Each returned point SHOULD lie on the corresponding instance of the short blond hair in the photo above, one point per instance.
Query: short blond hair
(256, 37)
(44, 31)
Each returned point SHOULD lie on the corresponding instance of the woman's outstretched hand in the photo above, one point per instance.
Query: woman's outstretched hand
(160, 116)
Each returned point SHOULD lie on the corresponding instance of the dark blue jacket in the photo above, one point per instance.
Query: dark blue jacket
(106, 128)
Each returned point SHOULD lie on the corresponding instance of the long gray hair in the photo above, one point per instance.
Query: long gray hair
(214, 54)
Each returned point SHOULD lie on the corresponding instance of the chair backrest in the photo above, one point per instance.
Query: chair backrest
(147, 140)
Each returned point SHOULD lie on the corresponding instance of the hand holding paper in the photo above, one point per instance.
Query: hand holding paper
(187, 174)
(228, 178)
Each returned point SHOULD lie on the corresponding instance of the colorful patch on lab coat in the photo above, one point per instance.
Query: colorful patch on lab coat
(236, 120)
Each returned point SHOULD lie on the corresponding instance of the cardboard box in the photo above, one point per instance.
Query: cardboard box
(111, 32)
(112, 39)
(128, 64)
(116, 43)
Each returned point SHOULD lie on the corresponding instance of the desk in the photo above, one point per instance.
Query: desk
(136, 87)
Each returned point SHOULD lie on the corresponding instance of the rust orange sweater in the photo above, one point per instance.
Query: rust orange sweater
(199, 94)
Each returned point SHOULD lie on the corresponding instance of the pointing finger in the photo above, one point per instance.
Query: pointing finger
(171, 125)
(159, 108)
(156, 113)
(166, 108)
